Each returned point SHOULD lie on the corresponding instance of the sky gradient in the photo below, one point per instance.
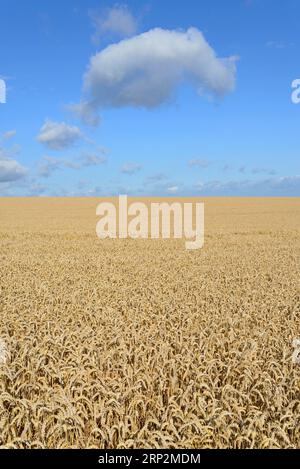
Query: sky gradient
(149, 98)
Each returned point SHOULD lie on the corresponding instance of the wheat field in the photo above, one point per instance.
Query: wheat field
(143, 344)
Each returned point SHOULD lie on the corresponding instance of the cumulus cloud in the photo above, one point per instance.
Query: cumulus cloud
(11, 170)
(145, 70)
(58, 135)
(117, 20)
(199, 162)
(131, 168)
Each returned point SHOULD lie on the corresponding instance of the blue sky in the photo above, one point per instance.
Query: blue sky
(181, 97)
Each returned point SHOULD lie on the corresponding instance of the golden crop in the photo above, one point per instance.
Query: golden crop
(141, 343)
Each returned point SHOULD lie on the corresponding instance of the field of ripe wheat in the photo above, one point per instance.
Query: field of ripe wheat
(143, 344)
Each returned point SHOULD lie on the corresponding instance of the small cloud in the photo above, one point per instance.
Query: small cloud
(117, 21)
(86, 113)
(279, 44)
(58, 135)
(11, 152)
(269, 172)
(8, 135)
(11, 170)
(92, 159)
(48, 165)
(172, 189)
(82, 184)
(199, 162)
(36, 189)
(70, 164)
(273, 186)
(158, 177)
(131, 168)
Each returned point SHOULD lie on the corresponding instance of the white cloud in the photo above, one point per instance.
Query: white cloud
(274, 186)
(8, 135)
(92, 159)
(58, 135)
(86, 113)
(131, 168)
(269, 172)
(172, 189)
(145, 70)
(279, 44)
(48, 164)
(36, 189)
(11, 170)
(154, 178)
(117, 20)
(11, 152)
(200, 163)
